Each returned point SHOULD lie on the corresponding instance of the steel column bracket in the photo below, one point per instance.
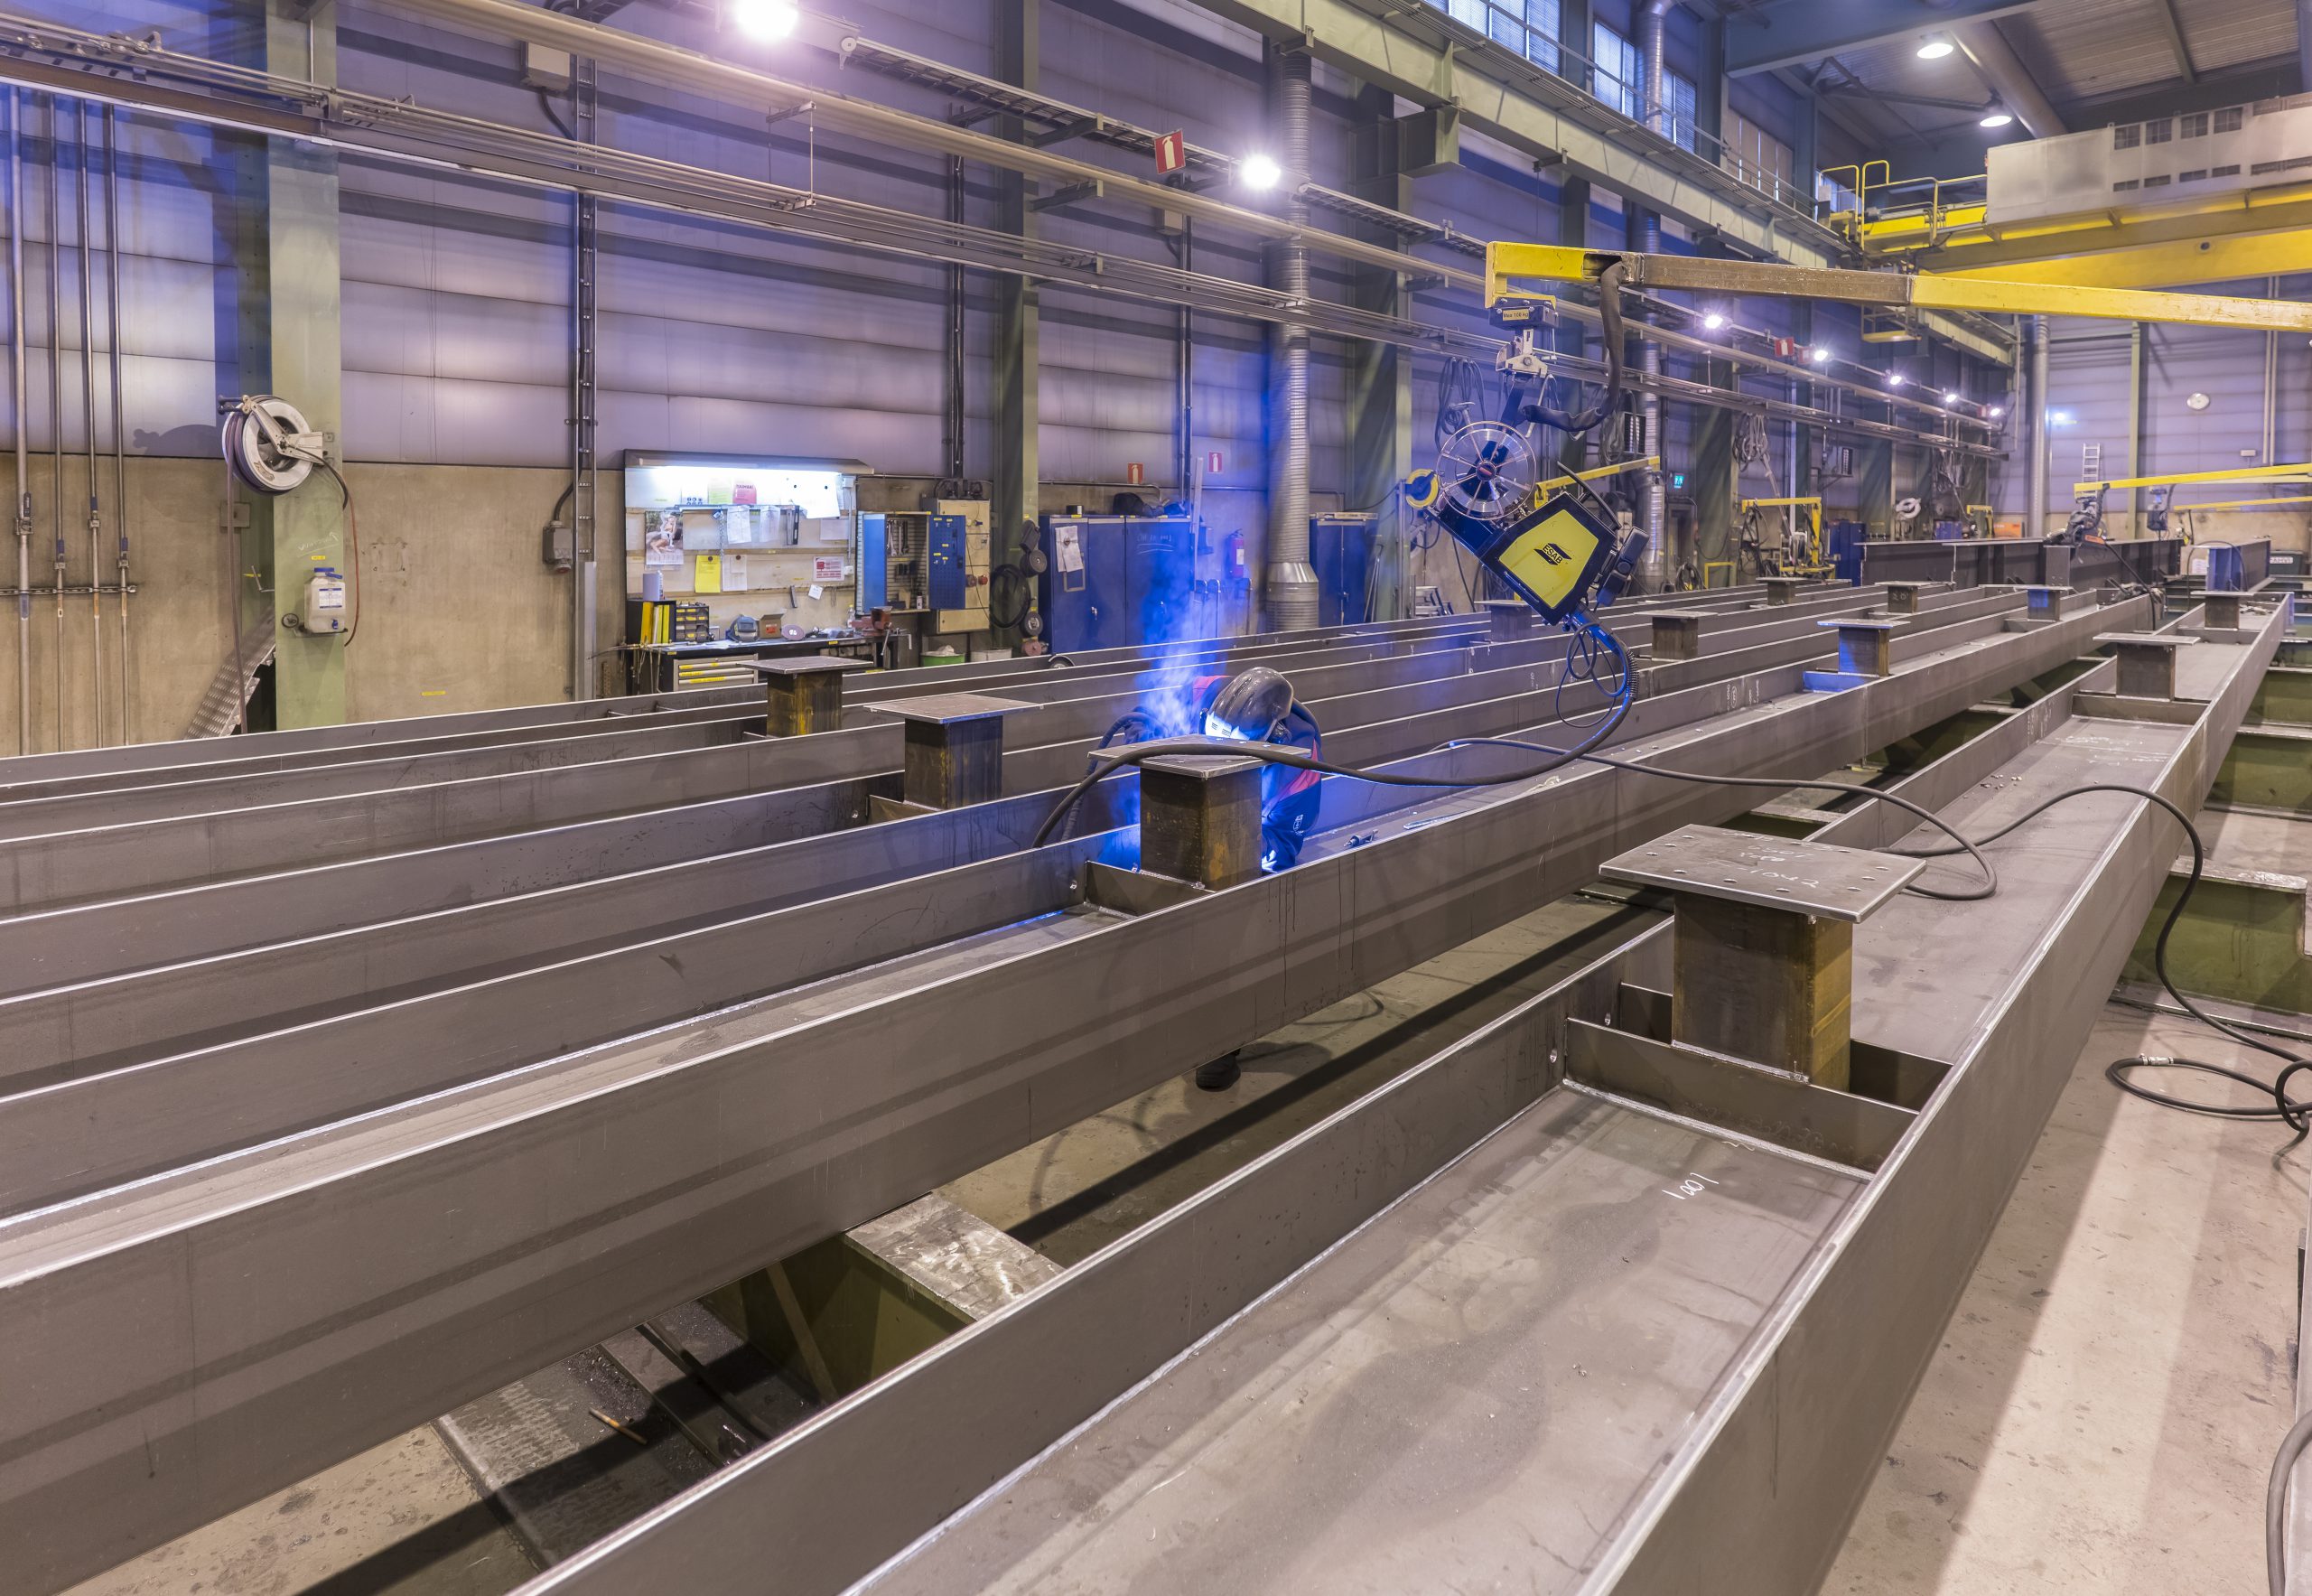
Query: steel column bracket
(1677, 633)
(1903, 597)
(1783, 590)
(1200, 818)
(802, 696)
(1866, 645)
(1513, 620)
(2146, 662)
(2046, 603)
(954, 747)
(2219, 611)
(1762, 947)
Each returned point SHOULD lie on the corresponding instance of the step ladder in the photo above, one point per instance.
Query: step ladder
(227, 697)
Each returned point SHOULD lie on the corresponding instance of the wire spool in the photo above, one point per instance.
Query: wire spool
(1486, 469)
(261, 466)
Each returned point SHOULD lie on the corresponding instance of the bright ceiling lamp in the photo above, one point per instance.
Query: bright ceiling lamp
(765, 19)
(1950, 398)
(1821, 355)
(1895, 379)
(1935, 46)
(1714, 320)
(1259, 172)
(1996, 114)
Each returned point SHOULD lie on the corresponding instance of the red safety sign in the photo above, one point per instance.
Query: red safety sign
(1212, 462)
(1785, 347)
(1171, 153)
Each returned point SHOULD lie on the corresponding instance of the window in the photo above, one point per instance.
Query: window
(1760, 159)
(2126, 185)
(2191, 177)
(1680, 110)
(2127, 138)
(1620, 72)
(1525, 27)
(2158, 132)
(2196, 124)
(1543, 20)
(2225, 172)
(2231, 120)
(2155, 183)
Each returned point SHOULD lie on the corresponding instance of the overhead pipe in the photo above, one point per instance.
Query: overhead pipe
(89, 429)
(18, 357)
(1291, 580)
(120, 428)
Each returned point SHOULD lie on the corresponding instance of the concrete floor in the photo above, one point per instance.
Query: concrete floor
(2102, 1412)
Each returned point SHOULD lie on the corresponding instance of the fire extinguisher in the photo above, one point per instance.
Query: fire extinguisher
(1235, 569)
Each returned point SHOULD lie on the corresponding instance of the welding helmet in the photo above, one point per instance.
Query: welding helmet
(1247, 706)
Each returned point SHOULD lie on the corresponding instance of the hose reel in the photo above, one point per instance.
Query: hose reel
(269, 445)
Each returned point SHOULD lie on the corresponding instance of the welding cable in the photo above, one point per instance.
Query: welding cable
(2296, 1114)
(1105, 761)
(1610, 395)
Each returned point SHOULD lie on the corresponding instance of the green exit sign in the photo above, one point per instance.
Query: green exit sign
(1678, 480)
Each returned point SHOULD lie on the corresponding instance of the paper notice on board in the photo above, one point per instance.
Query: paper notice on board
(708, 576)
(818, 592)
(734, 573)
(830, 568)
(1068, 548)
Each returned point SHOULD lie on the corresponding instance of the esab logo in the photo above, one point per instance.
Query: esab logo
(1553, 554)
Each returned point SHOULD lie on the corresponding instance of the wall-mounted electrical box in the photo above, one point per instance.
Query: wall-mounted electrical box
(961, 526)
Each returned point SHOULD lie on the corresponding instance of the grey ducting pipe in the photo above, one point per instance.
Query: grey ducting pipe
(119, 430)
(17, 360)
(88, 431)
(2034, 524)
(1655, 507)
(1291, 580)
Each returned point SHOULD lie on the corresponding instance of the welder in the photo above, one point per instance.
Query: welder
(1254, 705)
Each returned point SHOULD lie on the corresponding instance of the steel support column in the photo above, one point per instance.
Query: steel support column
(1019, 316)
(301, 363)
(1380, 415)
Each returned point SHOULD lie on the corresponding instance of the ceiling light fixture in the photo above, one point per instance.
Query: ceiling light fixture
(1996, 114)
(1259, 172)
(1713, 320)
(1820, 354)
(1935, 46)
(1895, 379)
(765, 19)
(1950, 398)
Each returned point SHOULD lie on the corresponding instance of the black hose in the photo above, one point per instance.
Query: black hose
(1609, 315)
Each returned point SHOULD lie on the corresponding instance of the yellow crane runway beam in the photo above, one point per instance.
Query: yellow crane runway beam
(1508, 264)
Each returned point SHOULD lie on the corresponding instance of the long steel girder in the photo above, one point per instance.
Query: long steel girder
(55, 852)
(1761, 1455)
(181, 1345)
(110, 71)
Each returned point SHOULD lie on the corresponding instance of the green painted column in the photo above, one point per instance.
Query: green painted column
(1380, 413)
(300, 360)
(1019, 409)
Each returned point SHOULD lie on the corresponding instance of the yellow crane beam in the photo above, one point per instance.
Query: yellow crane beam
(1509, 263)
(1960, 237)
(2178, 264)
(2241, 474)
